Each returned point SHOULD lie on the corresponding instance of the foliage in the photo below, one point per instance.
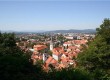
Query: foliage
(14, 64)
(96, 59)
(14, 68)
(8, 44)
(69, 74)
(104, 30)
(7, 40)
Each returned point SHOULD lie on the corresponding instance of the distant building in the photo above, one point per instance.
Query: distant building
(69, 37)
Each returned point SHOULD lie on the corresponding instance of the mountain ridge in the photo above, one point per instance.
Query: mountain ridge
(73, 31)
(55, 31)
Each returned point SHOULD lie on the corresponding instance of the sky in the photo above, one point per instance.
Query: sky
(34, 15)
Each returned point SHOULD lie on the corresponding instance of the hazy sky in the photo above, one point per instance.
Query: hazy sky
(25, 15)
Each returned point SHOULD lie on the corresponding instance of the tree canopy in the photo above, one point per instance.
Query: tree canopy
(96, 59)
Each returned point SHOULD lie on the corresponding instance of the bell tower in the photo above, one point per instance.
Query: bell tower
(51, 44)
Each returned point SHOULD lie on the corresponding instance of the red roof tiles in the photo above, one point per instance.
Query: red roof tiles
(39, 47)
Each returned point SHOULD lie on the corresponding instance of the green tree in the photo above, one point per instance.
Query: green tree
(14, 64)
(8, 44)
(7, 40)
(104, 30)
(96, 59)
(69, 74)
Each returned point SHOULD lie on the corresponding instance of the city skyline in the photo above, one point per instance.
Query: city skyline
(52, 15)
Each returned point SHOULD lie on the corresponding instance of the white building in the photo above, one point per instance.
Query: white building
(45, 57)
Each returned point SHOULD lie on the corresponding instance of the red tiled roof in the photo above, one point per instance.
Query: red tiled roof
(58, 50)
(53, 61)
(77, 50)
(39, 47)
(72, 47)
(49, 60)
(61, 66)
(67, 42)
(79, 41)
(65, 59)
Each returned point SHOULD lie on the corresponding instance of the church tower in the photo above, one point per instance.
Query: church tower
(51, 44)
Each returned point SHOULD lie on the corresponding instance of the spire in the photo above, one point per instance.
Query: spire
(51, 38)
(51, 44)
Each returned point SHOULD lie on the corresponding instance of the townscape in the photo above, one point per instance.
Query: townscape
(54, 39)
(54, 50)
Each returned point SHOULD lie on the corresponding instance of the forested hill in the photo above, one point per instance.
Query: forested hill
(73, 31)
(55, 31)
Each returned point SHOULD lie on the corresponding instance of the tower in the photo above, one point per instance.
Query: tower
(51, 44)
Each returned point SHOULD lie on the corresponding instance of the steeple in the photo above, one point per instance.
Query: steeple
(51, 44)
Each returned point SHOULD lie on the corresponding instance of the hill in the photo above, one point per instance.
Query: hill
(73, 31)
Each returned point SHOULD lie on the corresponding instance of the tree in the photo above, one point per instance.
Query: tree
(7, 40)
(96, 59)
(14, 64)
(69, 74)
(104, 30)
(8, 44)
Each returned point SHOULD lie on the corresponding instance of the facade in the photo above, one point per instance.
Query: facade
(51, 46)
(45, 57)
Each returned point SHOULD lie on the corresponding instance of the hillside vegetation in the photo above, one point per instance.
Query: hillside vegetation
(96, 58)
